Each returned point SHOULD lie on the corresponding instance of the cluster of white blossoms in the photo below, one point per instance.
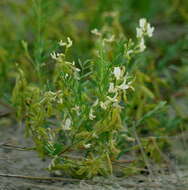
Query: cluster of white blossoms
(67, 44)
(55, 55)
(91, 114)
(87, 145)
(120, 81)
(60, 57)
(50, 96)
(119, 74)
(120, 84)
(143, 30)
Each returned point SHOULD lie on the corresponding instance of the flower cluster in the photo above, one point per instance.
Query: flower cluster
(68, 68)
(67, 44)
(143, 30)
(121, 82)
(56, 56)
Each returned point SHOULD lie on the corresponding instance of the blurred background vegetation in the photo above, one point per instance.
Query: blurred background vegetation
(30, 30)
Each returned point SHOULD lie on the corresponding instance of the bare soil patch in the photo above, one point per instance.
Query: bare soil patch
(26, 163)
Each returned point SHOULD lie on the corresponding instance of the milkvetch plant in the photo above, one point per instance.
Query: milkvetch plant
(81, 122)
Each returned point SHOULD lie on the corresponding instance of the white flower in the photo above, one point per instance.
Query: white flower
(109, 100)
(91, 115)
(68, 44)
(96, 32)
(77, 69)
(54, 55)
(145, 29)
(73, 63)
(150, 30)
(139, 32)
(142, 22)
(113, 99)
(104, 104)
(112, 89)
(142, 45)
(76, 108)
(87, 145)
(67, 125)
(66, 75)
(61, 43)
(129, 52)
(125, 86)
(59, 54)
(117, 72)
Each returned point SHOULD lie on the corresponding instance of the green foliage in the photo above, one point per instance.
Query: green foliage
(87, 110)
(84, 114)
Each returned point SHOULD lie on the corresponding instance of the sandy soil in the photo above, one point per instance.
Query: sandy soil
(27, 163)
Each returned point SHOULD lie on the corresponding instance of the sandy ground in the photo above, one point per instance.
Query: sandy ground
(27, 163)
